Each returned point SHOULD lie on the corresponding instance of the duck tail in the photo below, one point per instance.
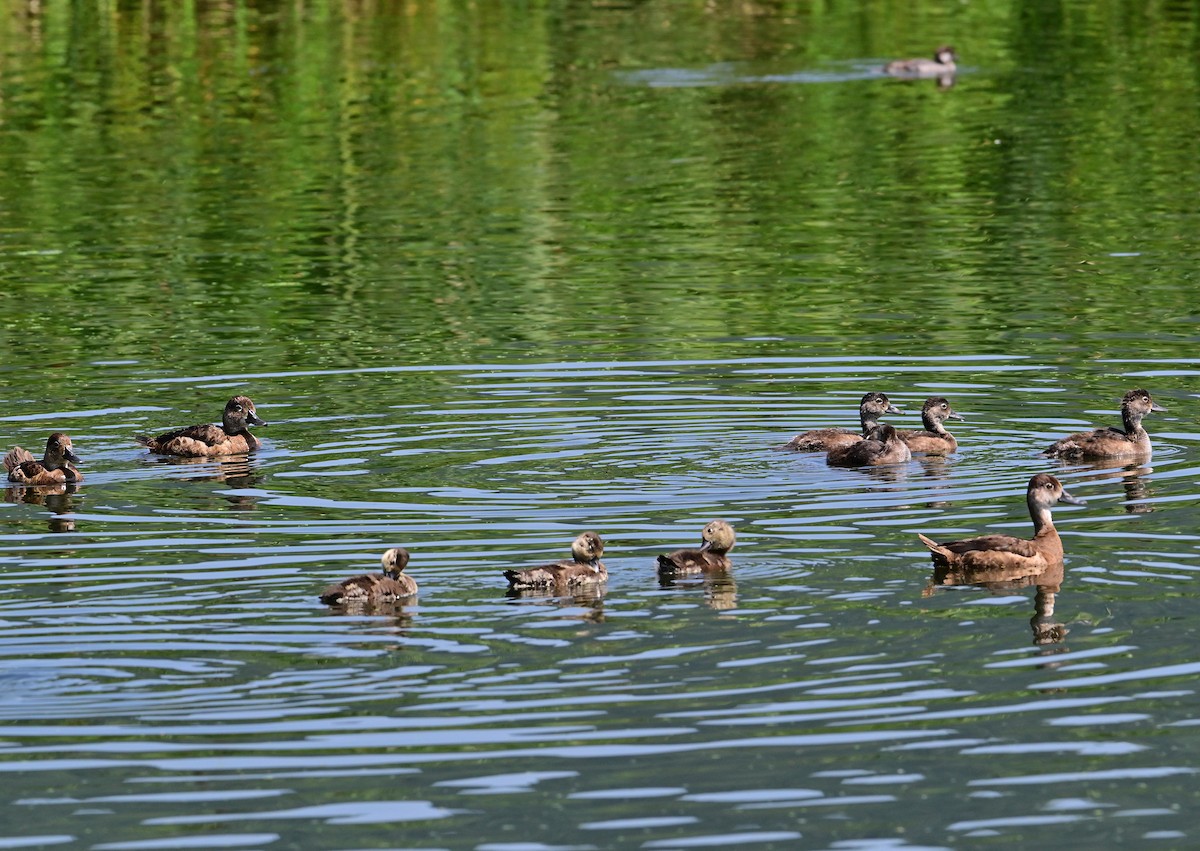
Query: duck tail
(934, 547)
(16, 457)
(144, 440)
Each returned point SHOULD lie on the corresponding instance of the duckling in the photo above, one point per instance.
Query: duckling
(1112, 442)
(941, 64)
(387, 587)
(934, 440)
(56, 467)
(870, 409)
(716, 539)
(586, 568)
(230, 438)
(992, 552)
(882, 446)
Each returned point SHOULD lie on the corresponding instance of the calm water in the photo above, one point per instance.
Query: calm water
(498, 273)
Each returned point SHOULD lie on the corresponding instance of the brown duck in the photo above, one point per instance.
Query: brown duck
(230, 438)
(585, 569)
(870, 409)
(996, 552)
(934, 439)
(56, 466)
(716, 540)
(942, 63)
(882, 446)
(386, 587)
(1112, 442)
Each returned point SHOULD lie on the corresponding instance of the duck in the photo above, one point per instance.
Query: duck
(56, 467)
(933, 439)
(870, 409)
(882, 446)
(1112, 442)
(199, 441)
(585, 569)
(716, 539)
(941, 64)
(386, 587)
(1001, 552)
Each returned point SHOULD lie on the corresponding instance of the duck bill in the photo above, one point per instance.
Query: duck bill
(254, 419)
(72, 457)
(893, 410)
(705, 546)
(1154, 406)
(954, 416)
(1071, 500)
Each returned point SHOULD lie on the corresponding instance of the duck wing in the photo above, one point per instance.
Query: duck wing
(691, 561)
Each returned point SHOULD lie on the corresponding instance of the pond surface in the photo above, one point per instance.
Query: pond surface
(500, 273)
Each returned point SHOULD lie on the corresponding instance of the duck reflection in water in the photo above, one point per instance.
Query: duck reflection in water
(1131, 476)
(56, 498)
(1047, 628)
(237, 471)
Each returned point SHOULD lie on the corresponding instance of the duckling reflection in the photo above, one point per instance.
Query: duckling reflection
(56, 498)
(1131, 476)
(719, 586)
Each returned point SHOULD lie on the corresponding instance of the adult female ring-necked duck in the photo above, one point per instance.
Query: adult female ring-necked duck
(1112, 442)
(230, 438)
(56, 466)
(991, 552)
(870, 409)
(942, 63)
(386, 587)
(934, 439)
(585, 568)
(716, 540)
(882, 446)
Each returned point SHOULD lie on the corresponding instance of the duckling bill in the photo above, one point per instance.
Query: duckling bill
(585, 569)
(56, 467)
(206, 440)
(386, 587)
(716, 540)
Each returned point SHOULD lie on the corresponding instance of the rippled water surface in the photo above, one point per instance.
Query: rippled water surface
(500, 273)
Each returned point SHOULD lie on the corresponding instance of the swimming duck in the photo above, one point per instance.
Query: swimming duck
(387, 587)
(231, 437)
(870, 409)
(586, 568)
(716, 539)
(934, 440)
(56, 467)
(882, 446)
(941, 64)
(1112, 442)
(993, 552)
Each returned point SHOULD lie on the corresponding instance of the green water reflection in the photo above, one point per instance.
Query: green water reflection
(442, 182)
(335, 205)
